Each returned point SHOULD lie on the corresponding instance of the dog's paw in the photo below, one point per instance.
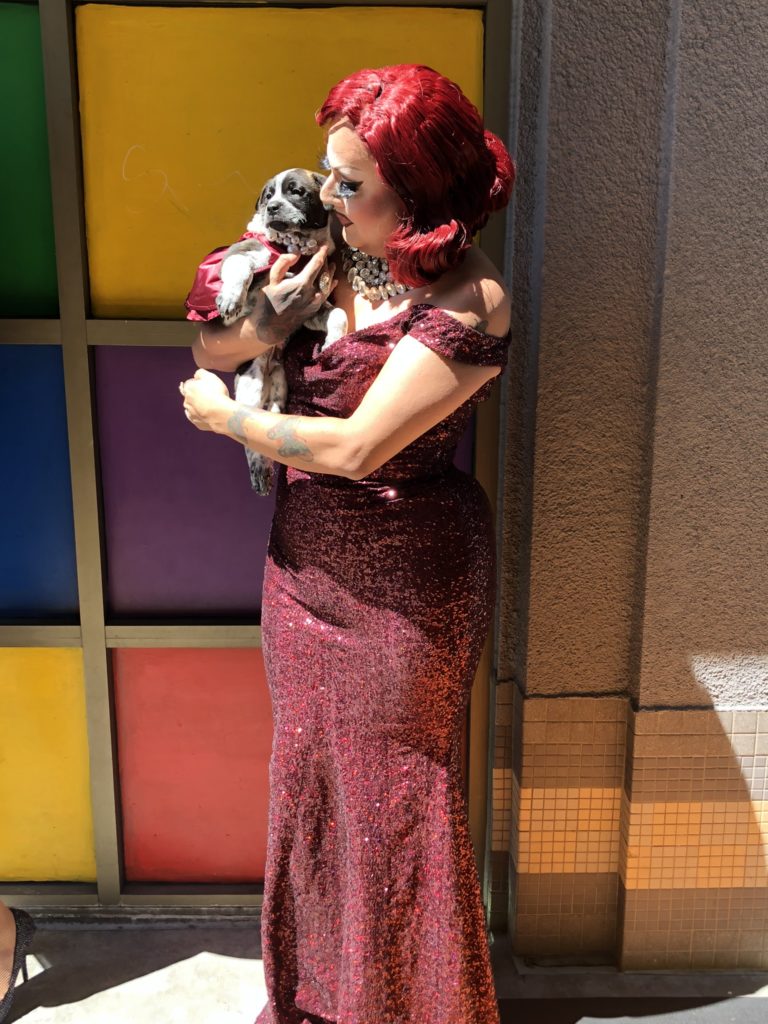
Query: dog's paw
(261, 470)
(230, 303)
(337, 325)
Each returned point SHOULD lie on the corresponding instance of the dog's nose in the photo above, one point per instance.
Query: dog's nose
(273, 207)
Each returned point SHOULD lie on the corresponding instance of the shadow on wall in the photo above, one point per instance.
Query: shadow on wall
(693, 882)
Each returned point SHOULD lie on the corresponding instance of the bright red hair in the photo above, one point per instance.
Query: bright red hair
(431, 149)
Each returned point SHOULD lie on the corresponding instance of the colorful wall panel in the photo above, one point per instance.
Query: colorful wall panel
(194, 740)
(181, 123)
(37, 546)
(27, 255)
(185, 533)
(179, 129)
(46, 831)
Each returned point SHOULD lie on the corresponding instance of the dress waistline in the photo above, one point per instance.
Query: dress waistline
(372, 485)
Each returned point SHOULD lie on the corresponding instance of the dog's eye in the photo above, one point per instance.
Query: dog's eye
(299, 191)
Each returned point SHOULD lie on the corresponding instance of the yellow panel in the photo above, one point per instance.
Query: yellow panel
(46, 830)
(186, 112)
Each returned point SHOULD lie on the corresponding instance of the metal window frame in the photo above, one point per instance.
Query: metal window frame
(75, 331)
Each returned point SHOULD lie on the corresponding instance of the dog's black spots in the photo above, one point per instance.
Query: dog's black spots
(295, 183)
(291, 200)
(266, 194)
(316, 215)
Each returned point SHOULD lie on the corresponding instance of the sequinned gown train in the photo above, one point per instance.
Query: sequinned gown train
(378, 594)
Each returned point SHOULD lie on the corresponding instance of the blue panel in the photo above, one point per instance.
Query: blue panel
(37, 541)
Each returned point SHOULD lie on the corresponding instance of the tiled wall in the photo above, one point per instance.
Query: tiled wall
(640, 835)
(505, 804)
(695, 824)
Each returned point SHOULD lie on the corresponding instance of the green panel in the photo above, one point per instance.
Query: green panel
(27, 255)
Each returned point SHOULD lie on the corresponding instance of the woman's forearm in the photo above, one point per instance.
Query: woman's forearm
(316, 444)
(225, 348)
(222, 349)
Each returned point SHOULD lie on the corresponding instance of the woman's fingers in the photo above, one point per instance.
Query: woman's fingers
(314, 265)
(300, 295)
(281, 266)
(307, 274)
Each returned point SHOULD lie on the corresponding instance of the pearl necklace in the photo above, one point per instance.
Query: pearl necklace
(369, 275)
(292, 241)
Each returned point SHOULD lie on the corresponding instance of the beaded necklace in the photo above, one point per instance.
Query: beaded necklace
(292, 241)
(369, 275)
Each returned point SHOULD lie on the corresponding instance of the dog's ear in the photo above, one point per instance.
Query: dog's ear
(262, 198)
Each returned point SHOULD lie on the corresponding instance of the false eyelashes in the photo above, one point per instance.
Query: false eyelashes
(344, 189)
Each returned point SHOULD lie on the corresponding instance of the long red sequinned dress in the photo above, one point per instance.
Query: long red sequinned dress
(378, 595)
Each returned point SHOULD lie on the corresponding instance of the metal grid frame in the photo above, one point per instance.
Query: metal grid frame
(75, 332)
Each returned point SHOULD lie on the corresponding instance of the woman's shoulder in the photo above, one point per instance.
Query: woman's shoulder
(475, 294)
(466, 315)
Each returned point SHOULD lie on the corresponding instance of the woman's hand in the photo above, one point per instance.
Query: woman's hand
(289, 301)
(204, 395)
(282, 305)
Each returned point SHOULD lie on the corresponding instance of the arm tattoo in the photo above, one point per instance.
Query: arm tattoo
(267, 329)
(281, 315)
(482, 326)
(292, 444)
(236, 422)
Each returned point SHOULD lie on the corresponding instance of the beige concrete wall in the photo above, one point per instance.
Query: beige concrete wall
(705, 627)
(635, 462)
(630, 772)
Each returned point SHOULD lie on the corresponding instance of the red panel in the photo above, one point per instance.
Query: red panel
(194, 741)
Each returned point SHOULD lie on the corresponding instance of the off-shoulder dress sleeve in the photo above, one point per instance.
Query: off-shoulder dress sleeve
(451, 338)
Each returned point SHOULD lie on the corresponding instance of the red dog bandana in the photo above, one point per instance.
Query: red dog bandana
(201, 301)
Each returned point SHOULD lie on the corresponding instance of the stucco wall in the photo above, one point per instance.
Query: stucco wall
(635, 464)
(630, 772)
(706, 605)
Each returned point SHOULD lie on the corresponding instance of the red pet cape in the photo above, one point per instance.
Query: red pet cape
(201, 301)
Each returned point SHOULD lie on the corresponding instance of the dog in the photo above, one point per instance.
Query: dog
(289, 217)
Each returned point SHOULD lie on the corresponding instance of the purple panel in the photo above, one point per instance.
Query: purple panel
(185, 533)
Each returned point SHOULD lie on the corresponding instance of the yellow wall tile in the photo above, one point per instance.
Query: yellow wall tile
(186, 112)
(46, 831)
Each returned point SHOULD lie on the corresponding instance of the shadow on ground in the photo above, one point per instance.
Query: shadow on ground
(658, 1011)
(211, 973)
(162, 975)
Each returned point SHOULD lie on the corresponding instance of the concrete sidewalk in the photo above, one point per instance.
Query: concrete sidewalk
(211, 973)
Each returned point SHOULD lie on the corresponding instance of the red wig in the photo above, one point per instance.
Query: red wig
(430, 147)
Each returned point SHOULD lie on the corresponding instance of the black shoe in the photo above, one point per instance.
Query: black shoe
(25, 929)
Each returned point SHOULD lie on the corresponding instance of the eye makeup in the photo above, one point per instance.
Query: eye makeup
(344, 189)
